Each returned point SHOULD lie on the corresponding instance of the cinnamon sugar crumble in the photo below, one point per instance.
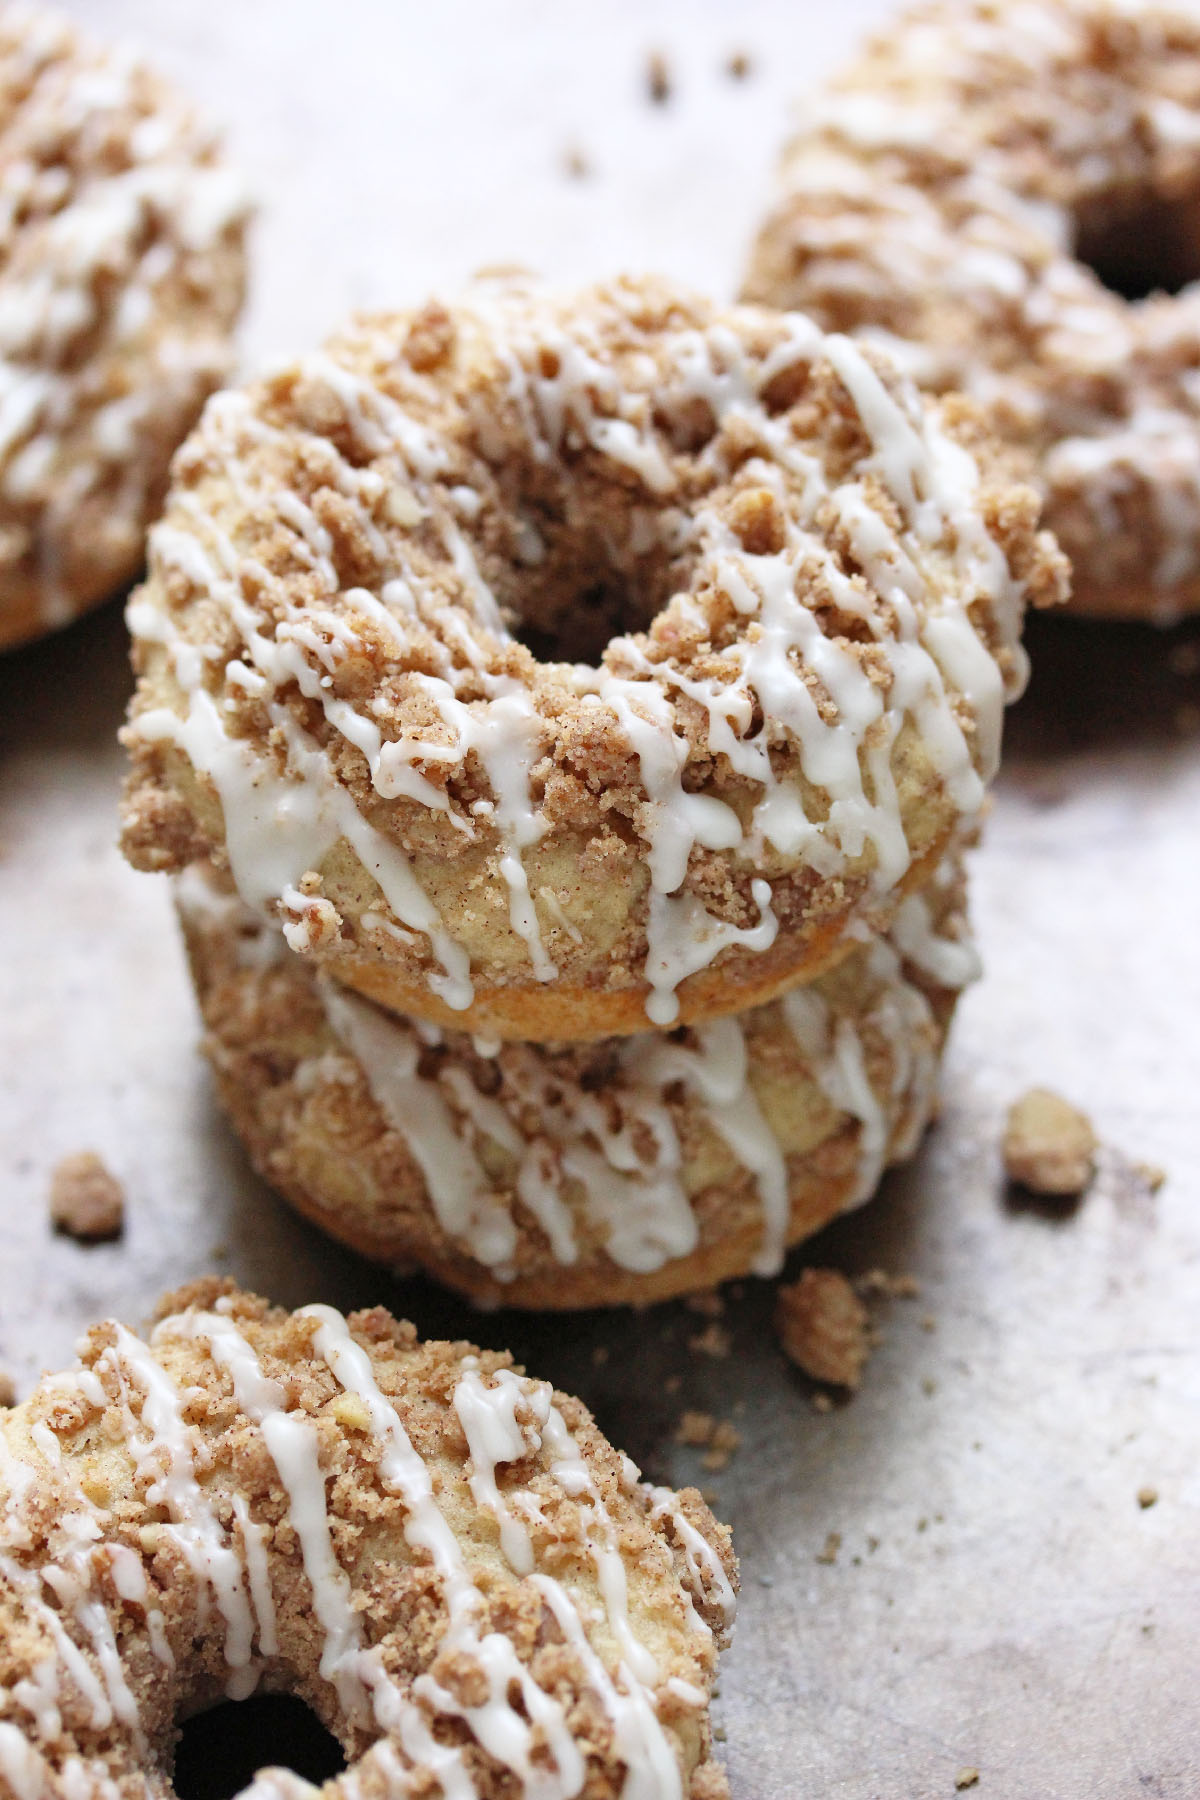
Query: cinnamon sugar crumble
(87, 1201)
(823, 1327)
(1049, 1145)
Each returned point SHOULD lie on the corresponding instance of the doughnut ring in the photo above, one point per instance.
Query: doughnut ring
(474, 1592)
(1007, 198)
(621, 1171)
(816, 583)
(121, 239)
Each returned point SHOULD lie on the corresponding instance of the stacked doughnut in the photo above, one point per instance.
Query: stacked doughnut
(471, 1588)
(568, 712)
(121, 276)
(1008, 197)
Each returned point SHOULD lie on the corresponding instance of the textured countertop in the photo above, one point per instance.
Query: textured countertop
(999, 1598)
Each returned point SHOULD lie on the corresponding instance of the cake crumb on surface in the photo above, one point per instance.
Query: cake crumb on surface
(967, 1778)
(714, 1340)
(739, 65)
(695, 1428)
(8, 1389)
(86, 1200)
(823, 1327)
(659, 84)
(716, 1437)
(1150, 1173)
(828, 1553)
(1049, 1145)
(889, 1287)
(1147, 1496)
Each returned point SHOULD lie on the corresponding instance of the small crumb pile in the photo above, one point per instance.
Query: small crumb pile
(1049, 1145)
(716, 1437)
(824, 1328)
(87, 1202)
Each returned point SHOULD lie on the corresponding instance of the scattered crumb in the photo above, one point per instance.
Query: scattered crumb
(966, 1778)
(1151, 1174)
(889, 1287)
(86, 1201)
(726, 1440)
(823, 1327)
(1147, 1496)
(1049, 1145)
(600, 1355)
(714, 1340)
(576, 163)
(872, 1543)
(672, 1384)
(695, 1428)
(928, 1385)
(928, 1321)
(8, 1390)
(822, 1402)
(659, 84)
(716, 1437)
(720, 1733)
(710, 1304)
(739, 65)
(828, 1553)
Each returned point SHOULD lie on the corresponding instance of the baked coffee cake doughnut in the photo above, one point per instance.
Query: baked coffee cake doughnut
(475, 1593)
(121, 276)
(556, 667)
(620, 1170)
(1007, 198)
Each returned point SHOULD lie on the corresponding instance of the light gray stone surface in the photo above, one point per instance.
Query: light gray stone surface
(999, 1598)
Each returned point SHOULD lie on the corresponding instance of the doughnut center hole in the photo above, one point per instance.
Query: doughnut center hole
(220, 1751)
(1141, 244)
(575, 627)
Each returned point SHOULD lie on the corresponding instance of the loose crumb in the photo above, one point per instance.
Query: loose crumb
(695, 1428)
(928, 1321)
(1151, 1174)
(966, 1778)
(1147, 1496)
(716, 1437)
(823, 1327)
(1049, 1145)
(726, 1441)
(8, 1390)
(600, 1354)
(828, 1553)
(739, 65)
(576, 162)
(888, 1287)
(659, 84)
(714, 1340)
(822, 1402)
(710, 1304)
(928, 1386)
(86, 1200)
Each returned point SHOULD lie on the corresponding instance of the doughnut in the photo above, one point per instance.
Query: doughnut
(620, 1171)
(555, 667)
(1007, 198)
(121, 276)
(472, 1590)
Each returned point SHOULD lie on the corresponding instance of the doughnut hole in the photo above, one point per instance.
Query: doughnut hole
(221, 1750)
(1141, 243)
